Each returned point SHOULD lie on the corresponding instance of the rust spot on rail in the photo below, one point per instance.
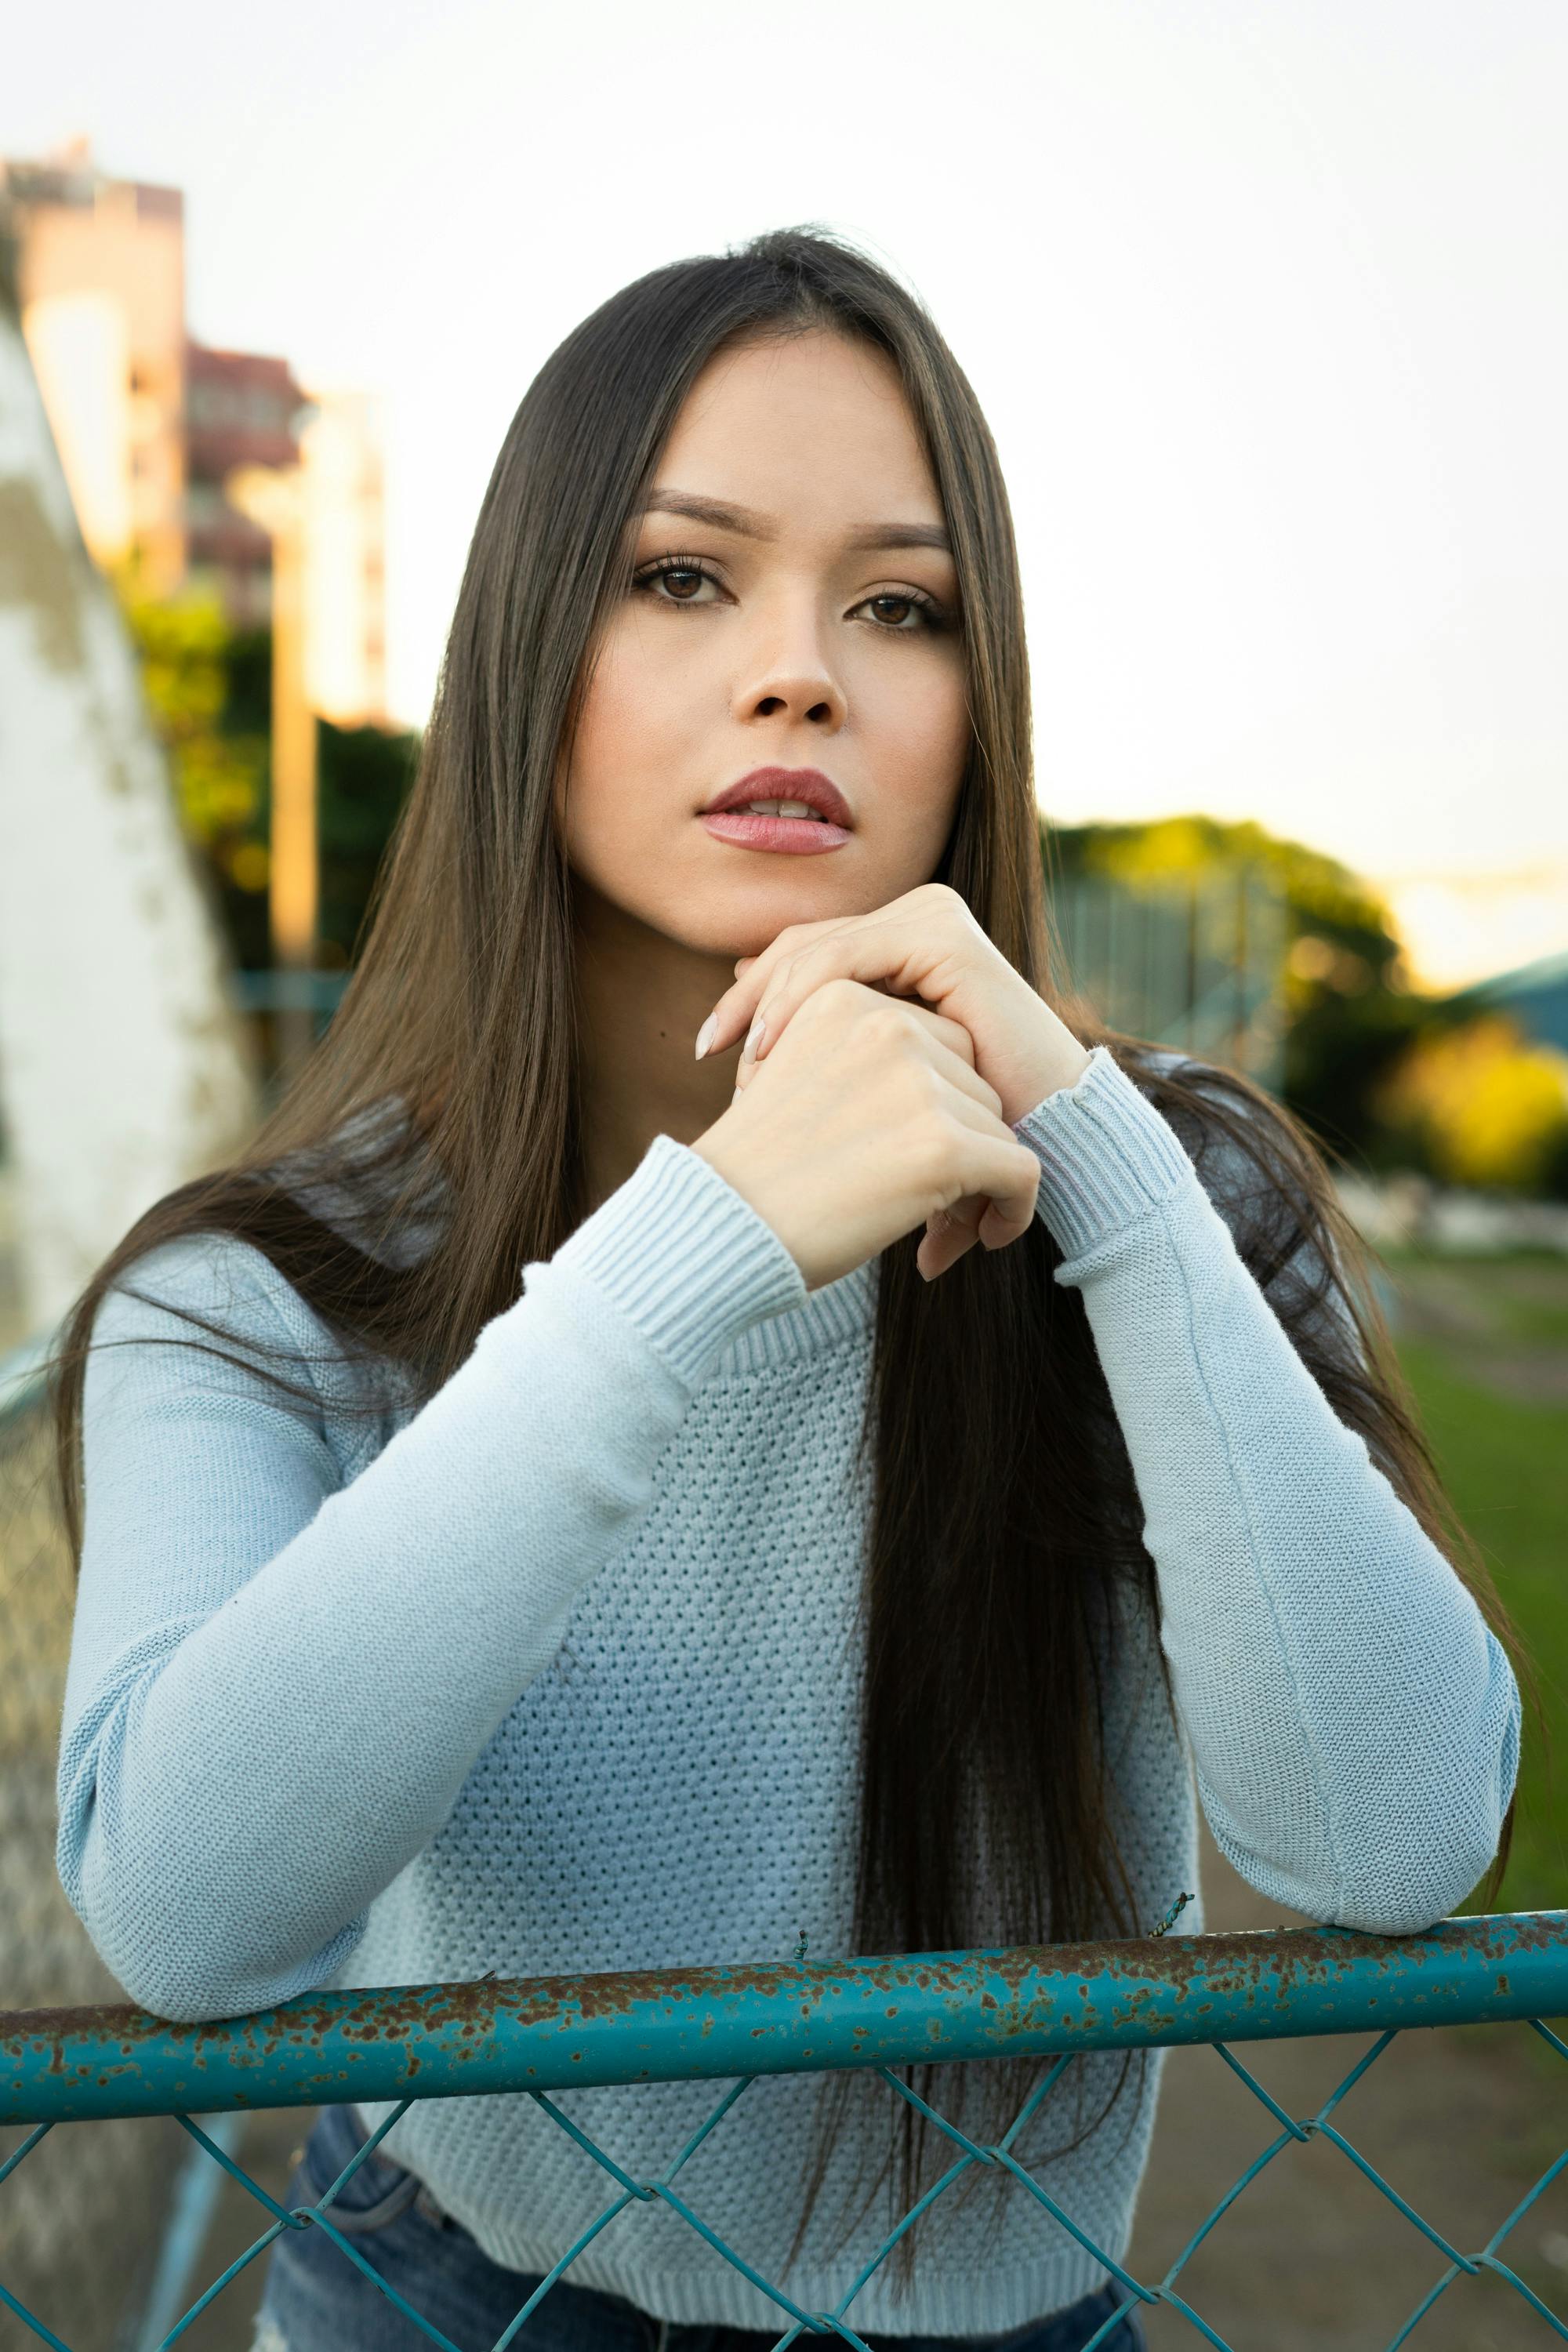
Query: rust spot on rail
(1261, 1965)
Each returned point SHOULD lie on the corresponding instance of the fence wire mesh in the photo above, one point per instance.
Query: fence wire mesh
(498, 2036)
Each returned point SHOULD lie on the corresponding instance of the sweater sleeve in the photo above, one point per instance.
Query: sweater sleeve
(278, 1680)
(1355, 1723)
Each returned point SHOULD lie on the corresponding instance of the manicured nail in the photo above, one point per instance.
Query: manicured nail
(754, 1037)
(705, 1034)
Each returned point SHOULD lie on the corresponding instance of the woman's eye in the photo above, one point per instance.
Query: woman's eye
(914, 613)
(924, 614)
(683, 580)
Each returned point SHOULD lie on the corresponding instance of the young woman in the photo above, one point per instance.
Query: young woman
(579, 1497)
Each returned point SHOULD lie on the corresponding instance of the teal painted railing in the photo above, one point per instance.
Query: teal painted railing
(531, 2038)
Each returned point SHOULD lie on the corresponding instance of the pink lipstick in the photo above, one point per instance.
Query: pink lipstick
(728, 818)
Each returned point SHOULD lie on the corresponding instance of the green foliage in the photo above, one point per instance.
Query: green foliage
(1482, 1104)
(218, 755)
(209, 689)
(363, 774)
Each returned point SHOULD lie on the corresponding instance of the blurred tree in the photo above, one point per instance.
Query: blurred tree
(1481, 1105)
(363, 774)
(217, 755)
(209, 688)
(1350, 1011)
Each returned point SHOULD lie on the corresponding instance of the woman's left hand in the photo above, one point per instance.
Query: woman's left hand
(925, 945)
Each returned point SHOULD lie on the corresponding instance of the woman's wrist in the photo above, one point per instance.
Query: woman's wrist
(1056, 1062)
(1107, 1156)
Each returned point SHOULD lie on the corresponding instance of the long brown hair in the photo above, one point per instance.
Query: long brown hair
(992, 1562)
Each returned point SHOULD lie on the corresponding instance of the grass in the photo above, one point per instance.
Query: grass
(1485, 1345)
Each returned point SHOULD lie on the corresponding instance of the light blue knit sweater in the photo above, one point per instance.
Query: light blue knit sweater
(560, 1673)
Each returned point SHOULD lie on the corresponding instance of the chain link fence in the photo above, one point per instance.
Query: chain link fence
(740, 2026)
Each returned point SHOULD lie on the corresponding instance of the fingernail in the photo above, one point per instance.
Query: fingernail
(705, 1034)
(754, 1036)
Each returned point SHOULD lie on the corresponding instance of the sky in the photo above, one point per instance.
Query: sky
(1267, 308)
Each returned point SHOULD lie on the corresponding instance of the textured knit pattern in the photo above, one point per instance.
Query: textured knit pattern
(561, 1673)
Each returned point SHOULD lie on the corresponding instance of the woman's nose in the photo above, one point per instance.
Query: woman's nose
(790, 673)
(790, 698)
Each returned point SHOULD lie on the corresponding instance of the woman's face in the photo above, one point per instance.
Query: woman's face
(798, 629)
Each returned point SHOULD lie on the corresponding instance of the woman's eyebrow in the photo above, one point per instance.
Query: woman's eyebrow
(719, 515)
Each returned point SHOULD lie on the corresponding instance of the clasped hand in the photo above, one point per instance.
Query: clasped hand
(907, 1023)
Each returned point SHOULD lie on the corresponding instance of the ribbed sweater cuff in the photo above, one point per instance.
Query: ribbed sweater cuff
(1106, 1158)
(684, 1257)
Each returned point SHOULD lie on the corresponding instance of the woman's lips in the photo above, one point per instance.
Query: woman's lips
(797, 836)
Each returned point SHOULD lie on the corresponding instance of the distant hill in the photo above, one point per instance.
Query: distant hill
(1535, 995)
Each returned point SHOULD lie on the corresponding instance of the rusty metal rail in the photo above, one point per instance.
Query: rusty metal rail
(550, 2034)
(536, 2036)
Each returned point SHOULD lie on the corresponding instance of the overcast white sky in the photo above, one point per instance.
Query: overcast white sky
(1267, 307)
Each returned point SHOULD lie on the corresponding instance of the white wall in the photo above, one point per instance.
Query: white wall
(124, 1071)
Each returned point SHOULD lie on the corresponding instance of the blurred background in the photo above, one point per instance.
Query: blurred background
(1267, 310)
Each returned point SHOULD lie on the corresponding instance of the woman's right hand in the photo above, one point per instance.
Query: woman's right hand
(866, 1118)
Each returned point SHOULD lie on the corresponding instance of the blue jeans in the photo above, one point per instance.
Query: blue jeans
(315, 2300)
